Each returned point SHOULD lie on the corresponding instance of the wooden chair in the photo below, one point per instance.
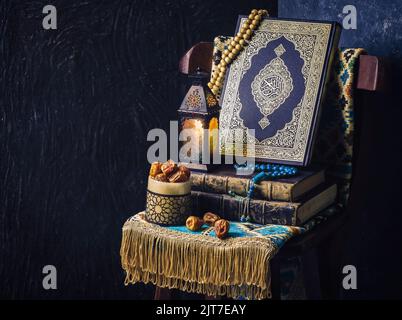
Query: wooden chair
(312, 247)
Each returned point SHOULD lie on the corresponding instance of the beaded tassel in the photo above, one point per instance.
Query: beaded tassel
(265, 172)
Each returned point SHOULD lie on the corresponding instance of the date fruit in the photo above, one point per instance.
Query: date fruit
(161, 177)
(155, 169)
(221, 228)
(169, 167)
(210, 218)
(194, 223)
(178, 176)
(169, 172)
(185, 170)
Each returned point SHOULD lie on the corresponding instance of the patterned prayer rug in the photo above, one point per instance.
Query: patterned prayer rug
(334, 145)
(199, 262)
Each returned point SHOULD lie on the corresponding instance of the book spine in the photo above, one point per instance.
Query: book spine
(266, 190)
(260, 211)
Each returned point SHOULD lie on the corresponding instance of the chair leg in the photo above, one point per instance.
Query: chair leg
(276, 279)
(311, 275)
(162, 294)
(329, 277)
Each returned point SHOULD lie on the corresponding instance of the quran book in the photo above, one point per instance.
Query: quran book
(284, 189)
(266, 212)
(274, 88)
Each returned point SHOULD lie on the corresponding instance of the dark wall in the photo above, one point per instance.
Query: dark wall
(379, 22)
(371, 240)
(76, 105)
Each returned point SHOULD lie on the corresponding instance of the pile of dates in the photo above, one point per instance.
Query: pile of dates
(221, 226)
(169, 172)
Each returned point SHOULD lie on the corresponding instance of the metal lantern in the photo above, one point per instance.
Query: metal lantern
(199, 110)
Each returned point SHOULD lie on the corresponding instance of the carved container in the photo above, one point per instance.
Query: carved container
(168, 203)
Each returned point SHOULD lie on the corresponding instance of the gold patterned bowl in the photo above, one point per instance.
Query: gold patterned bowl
(168, 203)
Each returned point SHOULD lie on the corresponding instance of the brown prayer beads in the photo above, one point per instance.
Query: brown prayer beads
(235, 47)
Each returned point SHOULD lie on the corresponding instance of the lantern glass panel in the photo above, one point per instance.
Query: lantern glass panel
(213, 134)
(195, 144)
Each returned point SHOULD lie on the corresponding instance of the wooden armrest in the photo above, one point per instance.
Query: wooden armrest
(371, 73)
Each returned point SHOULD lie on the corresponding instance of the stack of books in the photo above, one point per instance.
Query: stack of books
(288, 201)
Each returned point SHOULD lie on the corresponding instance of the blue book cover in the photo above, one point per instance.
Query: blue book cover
(275, 86)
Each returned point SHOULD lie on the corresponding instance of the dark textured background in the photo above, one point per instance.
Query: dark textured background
(76, 105)
(379, 22)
